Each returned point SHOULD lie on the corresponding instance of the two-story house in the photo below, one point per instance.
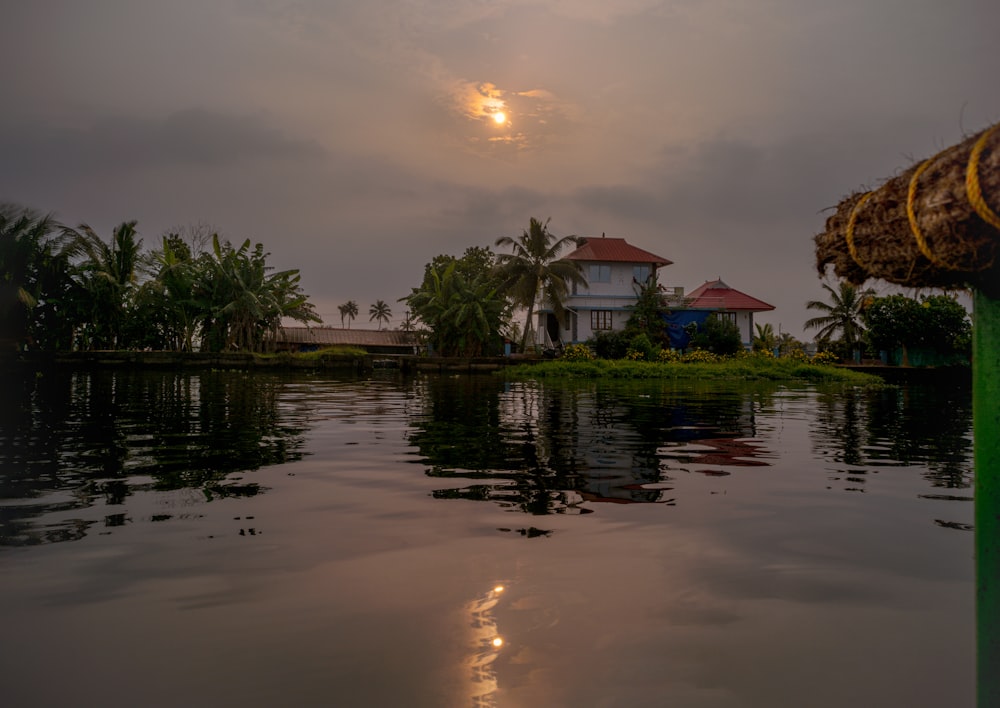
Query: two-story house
(614, 271)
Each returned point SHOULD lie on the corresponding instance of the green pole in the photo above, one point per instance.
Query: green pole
(986, 428)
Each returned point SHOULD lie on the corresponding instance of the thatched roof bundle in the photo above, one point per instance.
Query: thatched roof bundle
(935, 225)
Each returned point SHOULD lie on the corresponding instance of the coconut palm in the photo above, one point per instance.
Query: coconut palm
(349, 310)
(534, 269)
(35, 297)
(765, 339)
(842, 313)
(108, 274)
(379, 312)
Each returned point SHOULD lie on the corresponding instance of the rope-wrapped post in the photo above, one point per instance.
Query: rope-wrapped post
(937, 224)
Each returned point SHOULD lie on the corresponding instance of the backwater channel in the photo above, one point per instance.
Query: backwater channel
(232, 538)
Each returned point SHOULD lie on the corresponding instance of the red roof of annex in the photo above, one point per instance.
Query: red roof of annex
(717, 295)
(616, 250)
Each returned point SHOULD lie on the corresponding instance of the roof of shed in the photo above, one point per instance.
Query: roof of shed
(332, 336)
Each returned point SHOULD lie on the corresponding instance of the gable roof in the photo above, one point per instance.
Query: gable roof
(716, 295)
(614, 249)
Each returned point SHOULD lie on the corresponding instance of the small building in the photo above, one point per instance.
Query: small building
(304, 339)
(728, 304)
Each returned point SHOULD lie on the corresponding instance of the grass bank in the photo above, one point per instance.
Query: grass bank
(744, 369)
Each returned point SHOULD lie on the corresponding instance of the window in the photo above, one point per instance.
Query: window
(726, 317)
(600, 319)
(640, 273)
(599, 273)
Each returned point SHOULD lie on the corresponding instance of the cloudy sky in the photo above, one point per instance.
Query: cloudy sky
(357, 140)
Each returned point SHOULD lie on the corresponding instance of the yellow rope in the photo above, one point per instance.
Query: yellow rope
(972, 187)
(911, 195)
(849, 237)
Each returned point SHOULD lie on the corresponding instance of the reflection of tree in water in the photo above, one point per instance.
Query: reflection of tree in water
(75, 440)
(547, 449)
(910, 425)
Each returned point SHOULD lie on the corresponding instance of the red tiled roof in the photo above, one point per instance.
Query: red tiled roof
(719, 296)
(614, 249)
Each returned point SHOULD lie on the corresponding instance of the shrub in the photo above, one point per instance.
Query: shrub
(699, 356)
(610, 345)
(825, 358)
(577, 352)
(640, 349)
(668, 356)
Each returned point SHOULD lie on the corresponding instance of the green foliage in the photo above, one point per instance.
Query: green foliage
(718, 336)
(534, 269)
(765, 340)
(460, 304)
(610, 344)
(842, 314)
(825, 358)
(36, 291)
(77, 290)
(577, 352)
(641, 349)
(379, 311)
(935, 322)
(667, 355)
(646, 314)
(701, 365)
(699, 356)
(348, 310)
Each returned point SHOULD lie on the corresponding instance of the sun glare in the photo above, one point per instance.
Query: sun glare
(499, 117)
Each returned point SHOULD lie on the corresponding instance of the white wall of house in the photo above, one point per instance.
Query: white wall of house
(603, 303)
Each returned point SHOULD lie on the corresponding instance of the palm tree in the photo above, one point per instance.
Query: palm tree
(765, 339)
(108, 274)
(534, 270)
(842, 313)
(244, 305)
(349, 310)
(379, 312)
(35, 287)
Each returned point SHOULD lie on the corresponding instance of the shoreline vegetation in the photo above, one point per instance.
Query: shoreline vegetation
(748, 368)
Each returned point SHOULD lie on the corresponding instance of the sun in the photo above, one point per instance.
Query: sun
(499, 117)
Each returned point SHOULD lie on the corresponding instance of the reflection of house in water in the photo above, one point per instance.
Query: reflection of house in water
(557, 449)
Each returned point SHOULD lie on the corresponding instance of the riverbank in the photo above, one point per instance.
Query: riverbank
(356, 360)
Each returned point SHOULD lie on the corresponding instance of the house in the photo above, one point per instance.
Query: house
(614, 271)
(304, 339)
(729, 304)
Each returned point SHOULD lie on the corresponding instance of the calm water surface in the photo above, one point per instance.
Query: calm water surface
(234, 539)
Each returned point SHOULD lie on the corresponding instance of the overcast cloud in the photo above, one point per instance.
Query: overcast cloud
(357, 140)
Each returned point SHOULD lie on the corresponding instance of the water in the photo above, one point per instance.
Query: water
(235, 539)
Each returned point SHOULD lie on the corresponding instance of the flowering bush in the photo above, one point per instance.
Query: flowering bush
(700, 356)
(635, 355)
(797, 355)
(577, 352)
(668, 356)
(826, 358)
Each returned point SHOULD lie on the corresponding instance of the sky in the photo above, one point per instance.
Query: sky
(358, 140)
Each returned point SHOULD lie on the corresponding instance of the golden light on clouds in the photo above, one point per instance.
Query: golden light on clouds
(505, 122)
